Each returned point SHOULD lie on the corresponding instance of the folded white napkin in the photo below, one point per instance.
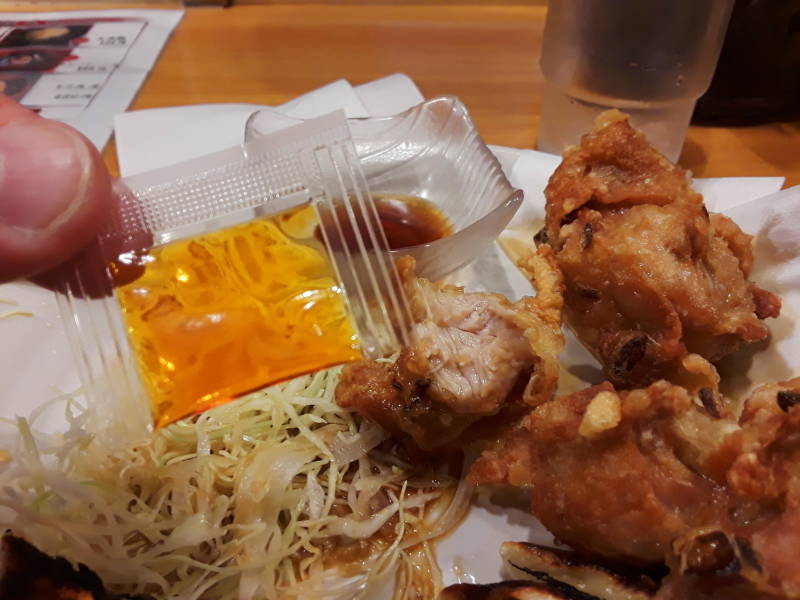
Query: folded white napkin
(149, 139)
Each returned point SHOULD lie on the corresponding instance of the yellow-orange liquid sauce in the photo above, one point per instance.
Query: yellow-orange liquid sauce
(216, 315)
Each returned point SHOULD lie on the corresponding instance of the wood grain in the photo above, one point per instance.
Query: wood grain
(486, 54)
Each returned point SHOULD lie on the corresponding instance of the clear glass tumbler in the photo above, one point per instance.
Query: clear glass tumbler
(650, 58)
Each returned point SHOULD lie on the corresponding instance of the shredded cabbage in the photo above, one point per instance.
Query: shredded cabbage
(280, 494)
(16, 313)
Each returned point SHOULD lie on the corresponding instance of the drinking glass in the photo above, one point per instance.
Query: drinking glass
(649, 58)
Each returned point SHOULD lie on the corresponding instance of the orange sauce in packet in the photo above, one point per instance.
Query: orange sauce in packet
(219, 314)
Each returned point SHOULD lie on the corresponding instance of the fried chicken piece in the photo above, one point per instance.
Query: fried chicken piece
(668, 474)
(616, 473)
(761, 465)
(650, 275)
(765, 477)
(472, 356)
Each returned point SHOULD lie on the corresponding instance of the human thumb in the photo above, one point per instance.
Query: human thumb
(55, 192)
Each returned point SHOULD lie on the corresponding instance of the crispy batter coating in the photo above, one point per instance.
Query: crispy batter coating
(668, 474)
(765, 476)
(650, 275)
(472, 356)
(609, 472)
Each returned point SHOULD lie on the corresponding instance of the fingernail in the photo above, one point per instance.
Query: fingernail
(44, 173)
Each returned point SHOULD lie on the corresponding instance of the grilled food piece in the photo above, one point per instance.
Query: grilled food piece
(28, 574)
(512, 590)
(585, 573)
(567, 574)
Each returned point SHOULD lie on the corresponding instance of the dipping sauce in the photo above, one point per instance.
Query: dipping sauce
(410, 220)
(216, 315)
(406, 221)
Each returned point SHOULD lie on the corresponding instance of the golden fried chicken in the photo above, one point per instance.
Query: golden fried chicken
(610, 472)
(472, 355)
(765, 477)
(668, 474)
(650, 275)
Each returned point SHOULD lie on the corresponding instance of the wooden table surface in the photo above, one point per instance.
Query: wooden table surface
(487, 55)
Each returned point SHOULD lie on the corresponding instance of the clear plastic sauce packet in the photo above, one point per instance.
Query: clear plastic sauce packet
(234, 271)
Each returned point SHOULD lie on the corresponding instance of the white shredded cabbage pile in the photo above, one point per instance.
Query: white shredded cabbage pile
(281, 494)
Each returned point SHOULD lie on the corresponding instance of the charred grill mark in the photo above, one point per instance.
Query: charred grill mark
(547, 560)
(630, 354)
(555, 584)
(474, 591)
(787, 399)
(588, 233)
(709, 401)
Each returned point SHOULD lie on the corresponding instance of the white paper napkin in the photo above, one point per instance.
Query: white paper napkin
(149, 139)
(774, 221)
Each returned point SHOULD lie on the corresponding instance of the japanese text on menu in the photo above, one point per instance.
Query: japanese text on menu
(58, 67)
